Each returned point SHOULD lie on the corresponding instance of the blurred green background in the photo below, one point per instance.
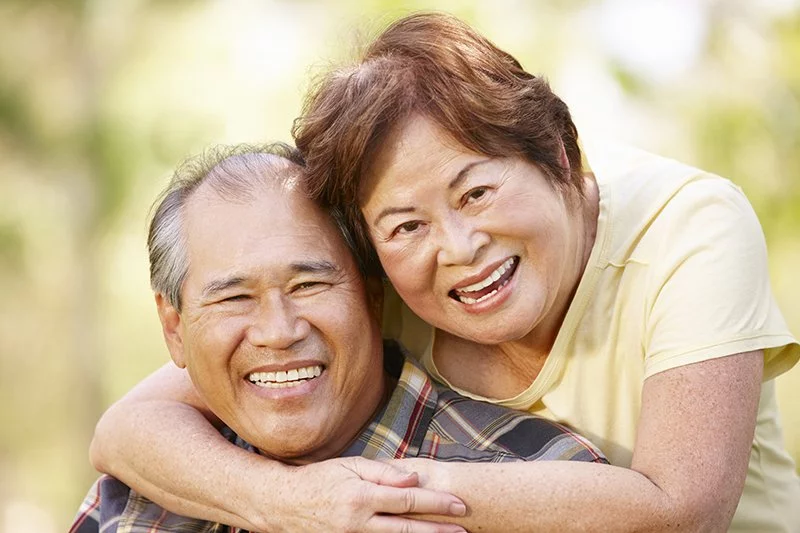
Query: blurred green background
(99, 100)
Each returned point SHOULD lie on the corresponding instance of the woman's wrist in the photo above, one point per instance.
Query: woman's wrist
(258, 491)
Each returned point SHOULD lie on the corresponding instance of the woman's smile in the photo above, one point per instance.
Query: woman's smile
(490, 291)
(462, 235)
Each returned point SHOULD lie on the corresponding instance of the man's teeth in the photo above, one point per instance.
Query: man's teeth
(282, 378)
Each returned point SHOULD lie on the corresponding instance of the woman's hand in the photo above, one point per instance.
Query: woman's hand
(156, 441)
(356, 494)
(426, 470)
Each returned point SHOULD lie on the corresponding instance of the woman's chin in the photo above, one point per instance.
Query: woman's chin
(491, 334)
(510, 322)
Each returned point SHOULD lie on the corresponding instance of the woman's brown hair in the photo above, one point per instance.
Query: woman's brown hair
(434, 65)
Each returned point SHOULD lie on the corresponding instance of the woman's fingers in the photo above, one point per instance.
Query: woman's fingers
(393, 490)
(357, 494)
(413, 500)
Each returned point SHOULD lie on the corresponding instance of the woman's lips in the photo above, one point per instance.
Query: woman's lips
(487, 287)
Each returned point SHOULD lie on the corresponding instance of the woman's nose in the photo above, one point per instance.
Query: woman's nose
(460, 241)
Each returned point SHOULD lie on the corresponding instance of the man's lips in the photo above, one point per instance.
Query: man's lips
(487, 286)
(287, 377)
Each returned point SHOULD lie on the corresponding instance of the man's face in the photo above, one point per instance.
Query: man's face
(276, 330)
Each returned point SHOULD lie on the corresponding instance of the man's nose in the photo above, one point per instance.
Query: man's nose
(460, 240)
(276, 324)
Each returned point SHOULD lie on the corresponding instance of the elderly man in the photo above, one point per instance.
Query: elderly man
(263, 303)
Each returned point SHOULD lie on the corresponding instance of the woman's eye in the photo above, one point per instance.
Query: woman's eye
(475, 194)
(408, 227)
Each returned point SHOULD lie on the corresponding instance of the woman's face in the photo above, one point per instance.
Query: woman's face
(484, 248)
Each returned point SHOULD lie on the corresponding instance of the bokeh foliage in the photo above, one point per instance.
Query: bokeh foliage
(99, 100)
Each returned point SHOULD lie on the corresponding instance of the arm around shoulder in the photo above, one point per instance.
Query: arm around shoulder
(688, 470)
(153, 440)
(158, 439)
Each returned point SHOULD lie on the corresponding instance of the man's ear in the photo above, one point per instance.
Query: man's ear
(171, 327)
(374, 287)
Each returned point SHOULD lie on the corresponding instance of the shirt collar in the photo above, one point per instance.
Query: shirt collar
(399, 429)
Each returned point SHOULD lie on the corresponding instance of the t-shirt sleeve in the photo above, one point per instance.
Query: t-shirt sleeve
(708, 290)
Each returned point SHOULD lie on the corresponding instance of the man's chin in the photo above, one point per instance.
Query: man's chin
(300, 444)
(297, 456)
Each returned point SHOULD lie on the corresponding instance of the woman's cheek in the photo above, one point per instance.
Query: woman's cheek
(396, 252)
(408, 267)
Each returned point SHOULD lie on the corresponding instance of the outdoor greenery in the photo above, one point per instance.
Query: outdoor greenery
(99, 100)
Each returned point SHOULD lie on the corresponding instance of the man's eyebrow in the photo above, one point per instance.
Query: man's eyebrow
(464, 172)
(219, 285)
(314, 267)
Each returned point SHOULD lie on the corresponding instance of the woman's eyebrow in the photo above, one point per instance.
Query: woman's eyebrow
(464, 172)
(392, 211)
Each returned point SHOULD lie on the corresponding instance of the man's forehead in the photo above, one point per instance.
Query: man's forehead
(277, 227)
(282, 202)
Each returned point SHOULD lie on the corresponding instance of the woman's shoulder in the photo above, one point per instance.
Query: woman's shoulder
(644, 195)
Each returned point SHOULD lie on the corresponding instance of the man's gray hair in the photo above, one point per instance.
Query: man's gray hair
(233, 172)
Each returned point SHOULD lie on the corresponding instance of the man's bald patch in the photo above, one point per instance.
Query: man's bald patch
(240, 177)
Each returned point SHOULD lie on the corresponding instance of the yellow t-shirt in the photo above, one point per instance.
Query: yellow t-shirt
(678, 274)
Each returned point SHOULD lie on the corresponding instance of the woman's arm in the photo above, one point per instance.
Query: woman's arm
(157, 440)
(689, 464)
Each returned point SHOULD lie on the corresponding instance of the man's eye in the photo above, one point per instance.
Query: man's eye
(235, 298)
(308, 285)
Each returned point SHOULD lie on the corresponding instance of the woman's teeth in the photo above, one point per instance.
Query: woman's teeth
(468, 300)
(493, 278)
(282, 378)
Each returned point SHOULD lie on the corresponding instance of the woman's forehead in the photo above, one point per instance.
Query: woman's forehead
(415, 150)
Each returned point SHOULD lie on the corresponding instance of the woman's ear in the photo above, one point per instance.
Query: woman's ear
(171, 328)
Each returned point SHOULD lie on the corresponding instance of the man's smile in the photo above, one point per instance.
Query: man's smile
(286, 378)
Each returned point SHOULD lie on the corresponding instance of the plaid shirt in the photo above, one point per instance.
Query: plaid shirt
(421, 419)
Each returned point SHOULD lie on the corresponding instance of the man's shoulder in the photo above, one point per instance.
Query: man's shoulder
(456, 428)
(470, 429)
(112, 506)
(88, 519)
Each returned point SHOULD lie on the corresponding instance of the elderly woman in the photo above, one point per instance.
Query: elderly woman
(631, 302)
